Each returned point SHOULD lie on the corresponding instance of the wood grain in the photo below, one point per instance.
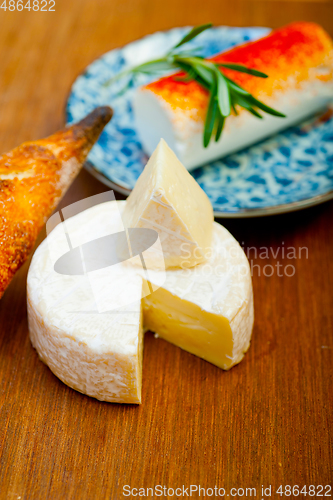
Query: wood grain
(268, 420)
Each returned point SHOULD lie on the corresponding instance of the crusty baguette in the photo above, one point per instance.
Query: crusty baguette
(33, 178)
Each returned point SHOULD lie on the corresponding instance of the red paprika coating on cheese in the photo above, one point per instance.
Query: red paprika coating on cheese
(286, 54)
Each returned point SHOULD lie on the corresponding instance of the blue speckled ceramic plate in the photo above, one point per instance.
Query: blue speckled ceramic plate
(289, 171)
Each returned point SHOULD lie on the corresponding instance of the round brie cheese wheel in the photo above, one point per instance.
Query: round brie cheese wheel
(88, 328)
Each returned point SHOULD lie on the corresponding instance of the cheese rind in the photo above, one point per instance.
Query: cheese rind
(107, 374)
(168, 199)
(207, 310)
(99, 354)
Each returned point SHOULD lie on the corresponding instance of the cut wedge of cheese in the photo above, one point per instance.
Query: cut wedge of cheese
(206, 310)
(168, 199)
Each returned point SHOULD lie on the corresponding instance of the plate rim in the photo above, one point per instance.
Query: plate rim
(242, 213)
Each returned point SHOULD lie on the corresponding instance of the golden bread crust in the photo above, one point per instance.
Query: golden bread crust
(33, 178)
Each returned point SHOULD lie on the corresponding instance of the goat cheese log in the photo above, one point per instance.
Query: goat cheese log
(299, 61)
(33, 178)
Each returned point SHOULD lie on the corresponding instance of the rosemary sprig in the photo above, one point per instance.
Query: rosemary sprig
(225, 95)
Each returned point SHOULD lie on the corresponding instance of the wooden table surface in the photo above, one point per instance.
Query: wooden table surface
(268, 421)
